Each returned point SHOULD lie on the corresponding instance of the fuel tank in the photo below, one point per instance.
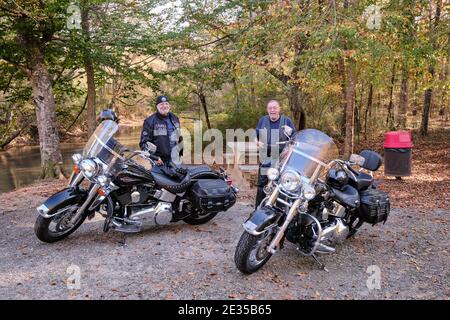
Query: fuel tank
(133, 174)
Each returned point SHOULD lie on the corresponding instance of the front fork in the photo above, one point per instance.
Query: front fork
(274, 244)
(75, 179)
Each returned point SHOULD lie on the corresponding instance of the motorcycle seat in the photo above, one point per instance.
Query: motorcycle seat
(347, 196)
(171, 184)
(362, 182)
(201, 170)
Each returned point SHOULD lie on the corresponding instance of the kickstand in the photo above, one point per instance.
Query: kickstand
(122, 242)
(322, 266)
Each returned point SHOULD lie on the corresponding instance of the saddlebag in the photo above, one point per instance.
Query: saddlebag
(212, 195)
(375, 206)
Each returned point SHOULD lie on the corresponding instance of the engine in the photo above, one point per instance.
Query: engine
(156, 214)
(313, 236)
(333, 233)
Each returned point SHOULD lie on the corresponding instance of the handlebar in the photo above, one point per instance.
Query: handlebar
(145, 154)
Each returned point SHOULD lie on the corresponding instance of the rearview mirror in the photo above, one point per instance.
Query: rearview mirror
(287, 131)
(150, 147)
(356, 158)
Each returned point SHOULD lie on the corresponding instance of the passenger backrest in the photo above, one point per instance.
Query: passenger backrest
(372, 161)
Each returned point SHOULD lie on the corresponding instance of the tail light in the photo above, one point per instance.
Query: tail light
(76, 169)
(229, 182)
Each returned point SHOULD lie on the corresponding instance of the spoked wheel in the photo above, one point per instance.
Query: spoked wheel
(58, 227)
(251, 251)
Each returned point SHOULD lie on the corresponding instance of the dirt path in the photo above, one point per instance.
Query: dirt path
(186, 262)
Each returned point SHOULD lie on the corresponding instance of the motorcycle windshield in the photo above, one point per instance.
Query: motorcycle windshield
(101, 139)
(310, 149)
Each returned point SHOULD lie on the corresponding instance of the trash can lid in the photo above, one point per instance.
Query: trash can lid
(398, 139)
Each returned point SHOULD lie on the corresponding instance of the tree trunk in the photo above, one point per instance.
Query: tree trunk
(429, 92)
(403, 106)
(13, 135)
(426, 106)
(358, 112)
(202, 99)
(236, 93)
(390, 114)
(294, 105)
(368, 109)
(89, 67)
(350, 109)
(42, 94)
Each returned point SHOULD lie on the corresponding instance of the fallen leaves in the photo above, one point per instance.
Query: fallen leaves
(428, 188)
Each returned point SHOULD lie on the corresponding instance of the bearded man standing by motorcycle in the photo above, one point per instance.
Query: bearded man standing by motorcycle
(269, 132)
(162, 129)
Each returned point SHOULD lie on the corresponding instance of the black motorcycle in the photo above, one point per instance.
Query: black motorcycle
(108, 179)
(313, 200)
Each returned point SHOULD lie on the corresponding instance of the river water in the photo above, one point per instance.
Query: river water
(20, 166)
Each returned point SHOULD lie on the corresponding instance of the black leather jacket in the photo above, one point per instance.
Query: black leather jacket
(155, 131)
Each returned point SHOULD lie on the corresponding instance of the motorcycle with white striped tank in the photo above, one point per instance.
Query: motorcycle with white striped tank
(314, 200)
(108, 179)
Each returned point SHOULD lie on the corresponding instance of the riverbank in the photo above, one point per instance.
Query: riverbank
(76, 135)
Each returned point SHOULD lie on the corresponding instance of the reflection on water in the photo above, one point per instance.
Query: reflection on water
(22, 165)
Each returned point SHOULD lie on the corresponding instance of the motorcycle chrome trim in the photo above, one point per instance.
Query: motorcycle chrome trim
(280, 234)
(181, 204)
(263, 202)
(323, 248)
(298, 179)
(75, 179)
(284, 202)
(338, 211)
(250, 227)
(161, 214)
(96, 203)
(43, 211)
(90, 196)
(289, 195)
(165, 195)
(268, 188)
(273, 197)
(135, 197)
(335, 233)
(319, 236)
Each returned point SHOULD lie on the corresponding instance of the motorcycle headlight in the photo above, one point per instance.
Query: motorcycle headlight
(308, 192)
(89, 168)
(290, 181)
(272, 173)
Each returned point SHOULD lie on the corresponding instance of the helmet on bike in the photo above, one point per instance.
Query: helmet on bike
(107, 114)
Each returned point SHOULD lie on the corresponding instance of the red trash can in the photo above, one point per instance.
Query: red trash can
(397, 153)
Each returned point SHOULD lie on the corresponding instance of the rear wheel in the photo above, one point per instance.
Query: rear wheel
(200, 218)
(251, 251)
(58, 227)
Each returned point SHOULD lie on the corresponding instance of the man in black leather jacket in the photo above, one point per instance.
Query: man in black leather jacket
(162, 129)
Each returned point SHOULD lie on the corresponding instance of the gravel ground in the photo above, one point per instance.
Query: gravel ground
(196, 262)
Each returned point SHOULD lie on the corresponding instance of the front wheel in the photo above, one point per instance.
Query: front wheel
(58, 227)
(251, 251)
